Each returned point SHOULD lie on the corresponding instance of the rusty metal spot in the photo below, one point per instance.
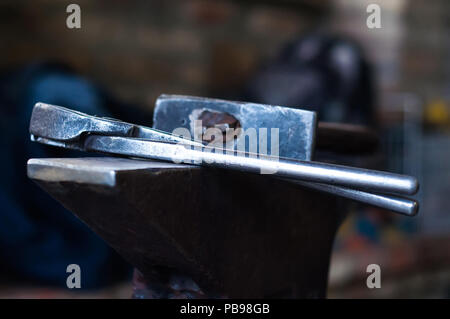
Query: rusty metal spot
(220, 120)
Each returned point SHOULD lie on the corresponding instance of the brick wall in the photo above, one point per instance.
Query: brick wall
(140, 49)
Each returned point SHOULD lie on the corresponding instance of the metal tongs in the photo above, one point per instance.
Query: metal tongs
(62, 127)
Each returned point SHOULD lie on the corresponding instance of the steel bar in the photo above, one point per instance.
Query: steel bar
(404, 206)
(358, 178)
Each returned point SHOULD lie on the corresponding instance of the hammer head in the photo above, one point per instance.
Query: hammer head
(296, 128)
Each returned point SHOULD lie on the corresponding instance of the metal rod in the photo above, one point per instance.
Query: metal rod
(355, 178)
(399, 205)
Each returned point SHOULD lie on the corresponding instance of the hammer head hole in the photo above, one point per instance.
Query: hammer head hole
(226, 123)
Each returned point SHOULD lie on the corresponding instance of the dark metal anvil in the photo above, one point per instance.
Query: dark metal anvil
(235, 234)
(208, 232)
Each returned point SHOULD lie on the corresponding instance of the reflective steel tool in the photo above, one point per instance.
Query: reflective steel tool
(59, 126)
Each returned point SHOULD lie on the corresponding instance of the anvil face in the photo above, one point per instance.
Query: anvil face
(234, 234)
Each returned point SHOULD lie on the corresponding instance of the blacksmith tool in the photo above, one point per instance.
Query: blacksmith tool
(297, 131)
(62, 127)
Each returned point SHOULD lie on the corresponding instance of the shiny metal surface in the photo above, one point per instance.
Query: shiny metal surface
(59, 126)
(303, 170)
(399, 205)
(296, 127)
(173, 111)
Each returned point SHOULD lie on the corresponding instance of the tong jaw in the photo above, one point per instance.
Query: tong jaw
(58, 126)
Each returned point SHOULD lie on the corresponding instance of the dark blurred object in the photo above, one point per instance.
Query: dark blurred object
(177, 287)
(346, 138)
(321, 73)
(412, 267)
(38, 237)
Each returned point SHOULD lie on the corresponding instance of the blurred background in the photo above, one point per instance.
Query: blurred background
(301, 53)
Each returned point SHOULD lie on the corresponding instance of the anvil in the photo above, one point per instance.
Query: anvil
(200, 232)
(234, 234)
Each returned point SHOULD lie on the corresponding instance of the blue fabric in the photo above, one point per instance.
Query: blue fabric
(38, 237)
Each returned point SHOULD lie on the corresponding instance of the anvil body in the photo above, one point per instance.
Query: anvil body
(234, 234)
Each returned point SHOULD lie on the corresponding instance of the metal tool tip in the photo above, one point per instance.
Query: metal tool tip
(414, 209)
(413, 186)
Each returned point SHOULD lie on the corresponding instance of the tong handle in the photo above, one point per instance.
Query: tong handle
(404, 206)
(352, 177)
(355, 178)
